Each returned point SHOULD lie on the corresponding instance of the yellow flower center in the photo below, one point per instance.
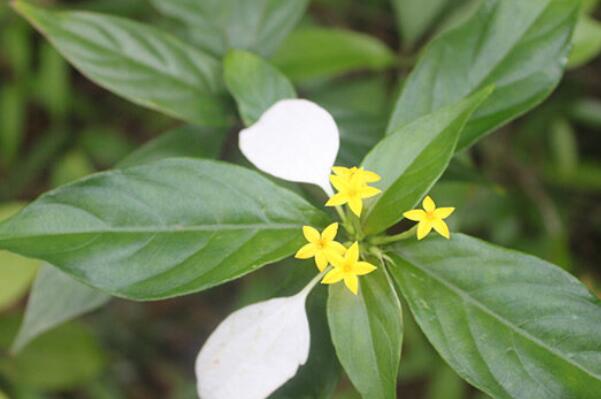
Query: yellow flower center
(347, 267)
(430, 215)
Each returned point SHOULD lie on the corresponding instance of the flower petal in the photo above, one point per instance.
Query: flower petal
(352, 254)
(368, 192)
(277, 330)
(311, 234)
(423, 228)
(341, 171)
(335, 259)
(370, 177)
(428, 204)
(441, 227)
(333, 276)
(352, 283)
(416, 215)
(356, 205)
(443, 213)
(295, 140)
(340, 183)
(337, 199)
(329, 233)
(337, 247)
(321, 260)
(362, 268)
(306, 251)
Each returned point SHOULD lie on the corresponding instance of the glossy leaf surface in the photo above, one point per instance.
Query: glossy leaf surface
(367, 333)
(412, 159)
(136, 61)
(511, 324)
(519, 46)
(162, 229)
(255, 84)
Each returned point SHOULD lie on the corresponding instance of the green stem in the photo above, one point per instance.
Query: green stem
(305, 291)
(382, 240)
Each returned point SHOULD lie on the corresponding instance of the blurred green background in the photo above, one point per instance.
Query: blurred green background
(535, 185)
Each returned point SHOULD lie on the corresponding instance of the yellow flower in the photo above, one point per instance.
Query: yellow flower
(430, 218)
(321, 246)
(348, 173)
(347, 268)
(352, 189)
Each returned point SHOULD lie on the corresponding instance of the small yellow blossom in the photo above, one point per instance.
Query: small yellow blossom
(347, 268)
(430, 218)
(321, 246)
(352, 188)
(348, 173)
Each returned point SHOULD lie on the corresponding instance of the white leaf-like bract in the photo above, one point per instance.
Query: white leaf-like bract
(295, 140)
(255, 350)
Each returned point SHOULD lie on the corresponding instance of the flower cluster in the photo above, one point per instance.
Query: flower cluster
(353, 187)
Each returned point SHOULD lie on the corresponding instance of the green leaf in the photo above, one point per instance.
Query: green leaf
(367, 333)
(412, 159)
(16, 272)
(254, 83)
(55, 298)
(587, 42)
(186, 141)
(136, 61)
(63, 359)
(520, 46)
(220, 25)
(316, 52)
(511, 324)
(163, 229)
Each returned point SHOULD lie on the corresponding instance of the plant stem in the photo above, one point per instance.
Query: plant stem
(305, 291)
(381, 240)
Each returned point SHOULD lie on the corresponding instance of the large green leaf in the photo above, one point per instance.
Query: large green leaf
(367, 333)
(220, 25)
(316, 52)
(136, 61)
(162, 229)
(511, 324)
(185, 141)
(254, 83)
(412, 159)
(520, 46)
(55, 298)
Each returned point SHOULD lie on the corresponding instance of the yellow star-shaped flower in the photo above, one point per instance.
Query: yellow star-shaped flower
(352, 189)
(321, 246)
(348, 173)
(430, 218)
(347, 268)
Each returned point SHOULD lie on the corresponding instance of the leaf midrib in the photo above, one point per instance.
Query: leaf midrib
(174, 78)
(525, 334)
(163, 229)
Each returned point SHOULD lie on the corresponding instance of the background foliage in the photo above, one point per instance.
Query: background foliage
(534, 185)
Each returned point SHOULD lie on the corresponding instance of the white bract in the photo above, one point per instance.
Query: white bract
(255, 350)
(295, 140)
